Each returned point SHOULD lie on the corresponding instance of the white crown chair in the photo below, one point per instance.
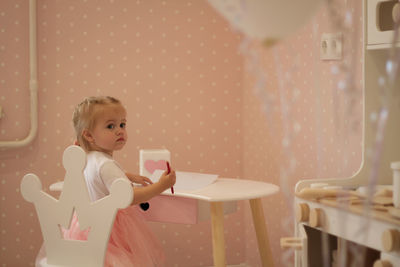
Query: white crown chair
(53, 214)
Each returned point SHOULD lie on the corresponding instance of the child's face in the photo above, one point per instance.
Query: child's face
(109, 132)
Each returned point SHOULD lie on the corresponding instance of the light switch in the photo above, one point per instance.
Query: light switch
(331, 46)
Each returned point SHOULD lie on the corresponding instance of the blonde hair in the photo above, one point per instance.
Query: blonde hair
(84, 116)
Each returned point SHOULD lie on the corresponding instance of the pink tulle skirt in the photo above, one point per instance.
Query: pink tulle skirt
(131, 242)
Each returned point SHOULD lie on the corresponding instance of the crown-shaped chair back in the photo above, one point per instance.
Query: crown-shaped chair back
(55, 213)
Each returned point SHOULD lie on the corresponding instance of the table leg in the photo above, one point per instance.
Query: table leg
(217, 224)
(261, 232)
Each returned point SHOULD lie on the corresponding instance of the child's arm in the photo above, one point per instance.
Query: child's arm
(143, 194)
(138, 179)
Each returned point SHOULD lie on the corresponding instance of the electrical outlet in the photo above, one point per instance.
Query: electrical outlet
(331, 46)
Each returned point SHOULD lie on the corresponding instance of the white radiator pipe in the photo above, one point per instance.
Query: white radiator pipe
(33, 83)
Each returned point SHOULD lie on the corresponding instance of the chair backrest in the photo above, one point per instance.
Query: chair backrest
(56, 213)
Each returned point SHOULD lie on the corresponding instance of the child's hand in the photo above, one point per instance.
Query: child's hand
(138, 179)
(168, 180)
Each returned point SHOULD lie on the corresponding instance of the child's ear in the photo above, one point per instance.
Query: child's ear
(87, 136)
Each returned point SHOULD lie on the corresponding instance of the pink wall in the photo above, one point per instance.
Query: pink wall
(320, 135)
(177, 68)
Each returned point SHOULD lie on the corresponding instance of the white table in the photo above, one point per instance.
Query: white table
(224, 190)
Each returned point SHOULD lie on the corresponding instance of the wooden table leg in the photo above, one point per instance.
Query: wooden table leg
(261, 232)
(217, 224)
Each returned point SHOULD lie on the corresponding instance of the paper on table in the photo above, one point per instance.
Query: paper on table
(187, 180)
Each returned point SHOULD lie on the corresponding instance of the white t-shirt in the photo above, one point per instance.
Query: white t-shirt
(100, 172)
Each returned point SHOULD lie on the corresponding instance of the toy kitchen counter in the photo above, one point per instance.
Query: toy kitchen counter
(332, 223)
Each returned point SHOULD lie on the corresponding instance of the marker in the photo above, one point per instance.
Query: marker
(169, 170)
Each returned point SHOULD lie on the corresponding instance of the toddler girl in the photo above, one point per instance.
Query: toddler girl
(100, 126)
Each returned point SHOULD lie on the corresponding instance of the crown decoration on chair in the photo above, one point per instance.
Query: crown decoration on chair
(53, 213)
